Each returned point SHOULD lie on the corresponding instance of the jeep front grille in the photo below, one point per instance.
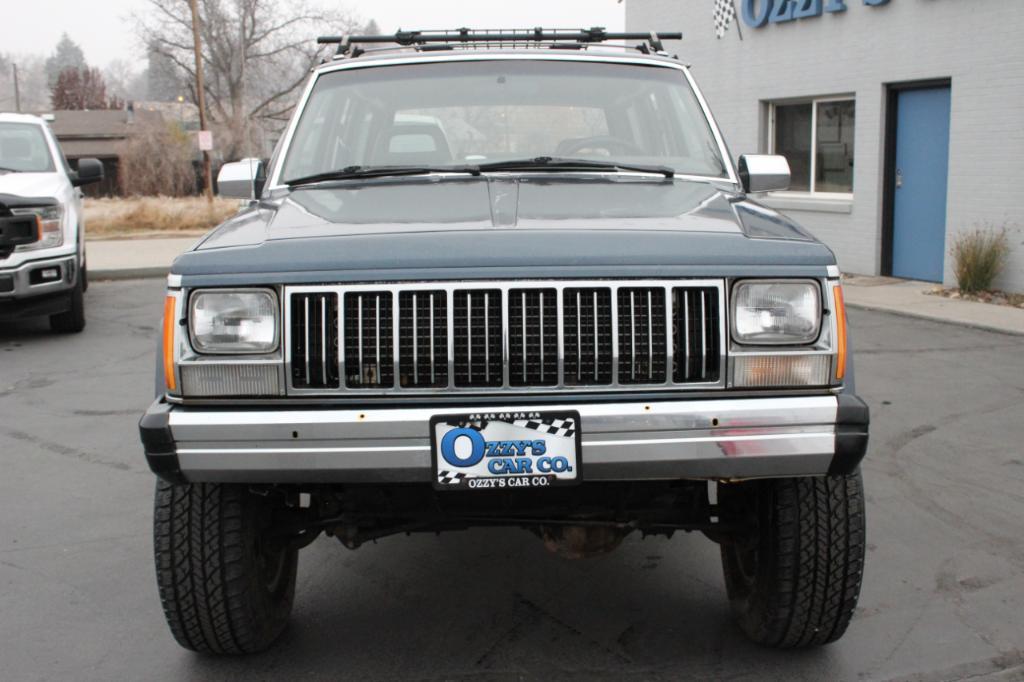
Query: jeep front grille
(642, 338)
(423, 339)
(695, 323)
(478, 342)
(588, 336)
(470, 337)
(313, 332)
(369, 359)
(533, 337)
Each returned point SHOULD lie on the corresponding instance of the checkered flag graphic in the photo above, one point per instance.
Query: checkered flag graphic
(725, 14)
(553, 427)
(450, 478)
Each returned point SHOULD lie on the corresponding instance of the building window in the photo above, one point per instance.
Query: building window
(816, 137)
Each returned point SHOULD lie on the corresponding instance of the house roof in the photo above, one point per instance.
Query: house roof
(97, 133)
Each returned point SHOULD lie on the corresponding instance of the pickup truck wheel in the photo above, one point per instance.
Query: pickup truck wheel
(795, 581)
(224, 588)
(72, 320)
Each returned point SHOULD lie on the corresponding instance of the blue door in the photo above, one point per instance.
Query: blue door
(922, 169)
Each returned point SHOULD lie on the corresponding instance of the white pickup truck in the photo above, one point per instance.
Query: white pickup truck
(42, 239)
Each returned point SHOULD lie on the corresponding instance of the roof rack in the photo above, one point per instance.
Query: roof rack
(465, 38)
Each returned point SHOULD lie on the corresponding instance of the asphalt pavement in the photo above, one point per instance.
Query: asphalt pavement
(943, 596)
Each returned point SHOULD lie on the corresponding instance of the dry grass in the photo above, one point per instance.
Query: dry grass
(978, 257)
(154, 216)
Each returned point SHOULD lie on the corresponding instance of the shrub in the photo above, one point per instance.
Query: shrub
(978, 257)
(157, 159)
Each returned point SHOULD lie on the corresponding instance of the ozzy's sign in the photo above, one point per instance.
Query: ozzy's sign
(757, 13)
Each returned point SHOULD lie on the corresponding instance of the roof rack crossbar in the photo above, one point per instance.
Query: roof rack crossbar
(596, 34)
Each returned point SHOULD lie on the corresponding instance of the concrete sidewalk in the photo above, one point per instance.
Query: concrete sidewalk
(907, 297)
(133, 258)
(137, 258)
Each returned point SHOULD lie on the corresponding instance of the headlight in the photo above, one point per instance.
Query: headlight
(776, 312)
(233, 321)
(51, 231)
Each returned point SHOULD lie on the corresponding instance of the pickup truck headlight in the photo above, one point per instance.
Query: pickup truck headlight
(51, 230)
(234, 321)
(776, 313)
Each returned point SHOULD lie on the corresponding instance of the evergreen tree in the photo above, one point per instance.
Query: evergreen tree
(68, 55)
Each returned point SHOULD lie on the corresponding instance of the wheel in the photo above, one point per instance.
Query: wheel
(72, 320)
(794, 582)
(224, 588)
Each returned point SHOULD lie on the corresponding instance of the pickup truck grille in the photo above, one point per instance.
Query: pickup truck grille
(505, 336)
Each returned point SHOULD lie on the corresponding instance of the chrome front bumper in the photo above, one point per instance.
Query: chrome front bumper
(17, 282)
(721, 438)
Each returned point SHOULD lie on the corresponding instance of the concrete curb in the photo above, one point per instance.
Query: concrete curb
(933, 318)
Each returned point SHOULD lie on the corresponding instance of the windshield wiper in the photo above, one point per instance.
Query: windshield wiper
(556, 163)
(362, 172)
(9, 170)
(544, 163)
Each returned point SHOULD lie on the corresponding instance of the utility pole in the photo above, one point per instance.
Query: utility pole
(201, 97)
(17, 92)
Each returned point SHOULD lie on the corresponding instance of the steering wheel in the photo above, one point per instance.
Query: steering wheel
(614, 145)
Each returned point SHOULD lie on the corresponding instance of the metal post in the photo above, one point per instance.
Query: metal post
(17, 92)
(201, 96)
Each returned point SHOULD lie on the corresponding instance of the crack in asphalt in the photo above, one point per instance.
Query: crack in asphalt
(63, 450)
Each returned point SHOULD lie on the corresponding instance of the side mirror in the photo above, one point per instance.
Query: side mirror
(241, 179)
(89, 171)
(764, 173)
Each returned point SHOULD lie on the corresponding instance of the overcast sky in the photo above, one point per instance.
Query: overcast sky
(100, 26)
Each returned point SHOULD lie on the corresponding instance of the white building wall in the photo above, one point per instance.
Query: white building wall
(977, 44)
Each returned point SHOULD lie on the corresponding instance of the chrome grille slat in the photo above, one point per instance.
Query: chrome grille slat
(323, 339)
(308, 353)
(551, 335)
(415, 337)
(699, 330)
(703, 337)
(643, 316)
(579, 337)
(418, 364)
(313, 337)
(433, 370)
(370, 334)
(650, 339)
(540, 317)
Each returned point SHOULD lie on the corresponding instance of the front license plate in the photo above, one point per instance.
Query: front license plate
(485, 450)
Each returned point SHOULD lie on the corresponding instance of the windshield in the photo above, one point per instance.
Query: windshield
(481, 112)
(23, 148)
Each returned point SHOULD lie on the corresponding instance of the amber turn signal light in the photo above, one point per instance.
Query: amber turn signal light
(170, 303)
(840, 332)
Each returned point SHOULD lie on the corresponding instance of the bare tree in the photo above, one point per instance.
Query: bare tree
(256, 55)
(35, 95)
(124, 80)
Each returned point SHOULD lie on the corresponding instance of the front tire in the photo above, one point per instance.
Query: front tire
(72, 320)
(795, 581)
(224, 588)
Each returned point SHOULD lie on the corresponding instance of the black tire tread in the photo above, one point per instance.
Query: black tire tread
(814, 546)
(203, 572)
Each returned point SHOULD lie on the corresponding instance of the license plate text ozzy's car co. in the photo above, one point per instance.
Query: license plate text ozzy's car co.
(505, 450)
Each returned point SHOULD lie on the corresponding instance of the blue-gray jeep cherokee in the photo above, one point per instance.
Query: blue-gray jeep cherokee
(524, 286)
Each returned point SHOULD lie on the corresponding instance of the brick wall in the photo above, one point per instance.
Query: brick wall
(974, 43)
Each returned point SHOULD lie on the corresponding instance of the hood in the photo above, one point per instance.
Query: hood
(446, 222)
(30, 184)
